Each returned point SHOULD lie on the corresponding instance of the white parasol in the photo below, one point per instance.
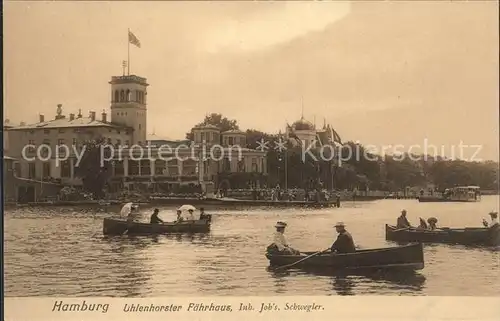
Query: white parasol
(126, 209)
(187, 208)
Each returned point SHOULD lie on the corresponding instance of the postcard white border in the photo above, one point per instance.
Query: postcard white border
(330, 308)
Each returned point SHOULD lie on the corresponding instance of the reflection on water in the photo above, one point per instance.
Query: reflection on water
(61, 252)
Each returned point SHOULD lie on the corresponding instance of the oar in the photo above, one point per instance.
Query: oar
(301, 260)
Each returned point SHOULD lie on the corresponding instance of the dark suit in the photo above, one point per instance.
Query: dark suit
(155, 219)
(344, 243)
(402, 222)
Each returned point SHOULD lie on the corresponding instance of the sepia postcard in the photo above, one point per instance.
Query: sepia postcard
(276, 160)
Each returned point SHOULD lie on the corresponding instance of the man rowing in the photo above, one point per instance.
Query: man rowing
(154, 218)
(203, 215)
(344, 242)
(403, 221)
(280, 243)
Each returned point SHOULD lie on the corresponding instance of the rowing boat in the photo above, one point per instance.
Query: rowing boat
(409, 257)
(465, 236)
(118, 227)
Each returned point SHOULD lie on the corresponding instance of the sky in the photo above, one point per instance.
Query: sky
(381, 73)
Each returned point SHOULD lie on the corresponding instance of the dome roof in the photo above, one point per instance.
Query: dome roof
(303, 124)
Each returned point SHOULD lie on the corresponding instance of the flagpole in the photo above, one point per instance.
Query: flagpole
(128, 52)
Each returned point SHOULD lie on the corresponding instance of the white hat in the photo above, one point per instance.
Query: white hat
(340, 224)
(280, 224)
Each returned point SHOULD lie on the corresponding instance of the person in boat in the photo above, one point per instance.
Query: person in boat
(179, 217)
(403, 221)
(132, 215)
(280, 243)
(494, 220)
(423, 224)
(432, 223)
(203, 215)
(344, 242)
(191, 215)
(154, 218)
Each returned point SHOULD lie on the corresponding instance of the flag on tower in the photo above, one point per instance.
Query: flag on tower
(133, 39)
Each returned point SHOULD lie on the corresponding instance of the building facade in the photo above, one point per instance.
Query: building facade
(305, 133)
(48, 150)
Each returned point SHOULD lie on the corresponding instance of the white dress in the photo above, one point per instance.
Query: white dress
(280, 241)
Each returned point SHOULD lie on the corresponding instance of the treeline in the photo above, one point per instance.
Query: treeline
(360, 169)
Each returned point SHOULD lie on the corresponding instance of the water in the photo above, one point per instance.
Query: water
(61, 252)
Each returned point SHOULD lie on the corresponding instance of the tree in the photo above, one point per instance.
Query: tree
(223, 123)
(93, 169)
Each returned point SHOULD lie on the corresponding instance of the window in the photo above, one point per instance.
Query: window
(117, 96)
(119, 168)
(31, 142)
(46, 142)
(227, 165)
(160, 166)
(46, 170)
(60, 141)
(32, 132)
(65, 169)
(46, 131)
(17, 169)
(241, 165)
(122, 95)
(133, 167)
(31, 170)
(145, 167)
(230, 141)
(128, 95)
(254, 165)
(202, 136)
(61, 130)
(118, 142)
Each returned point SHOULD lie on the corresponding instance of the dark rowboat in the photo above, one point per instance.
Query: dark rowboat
(465, 236)
(409, 257)
(118, 227)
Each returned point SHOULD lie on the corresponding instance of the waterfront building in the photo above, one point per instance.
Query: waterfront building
(124, 127)
(304, 133)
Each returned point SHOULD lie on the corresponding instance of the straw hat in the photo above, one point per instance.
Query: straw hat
(280, 225)
(339, 224)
